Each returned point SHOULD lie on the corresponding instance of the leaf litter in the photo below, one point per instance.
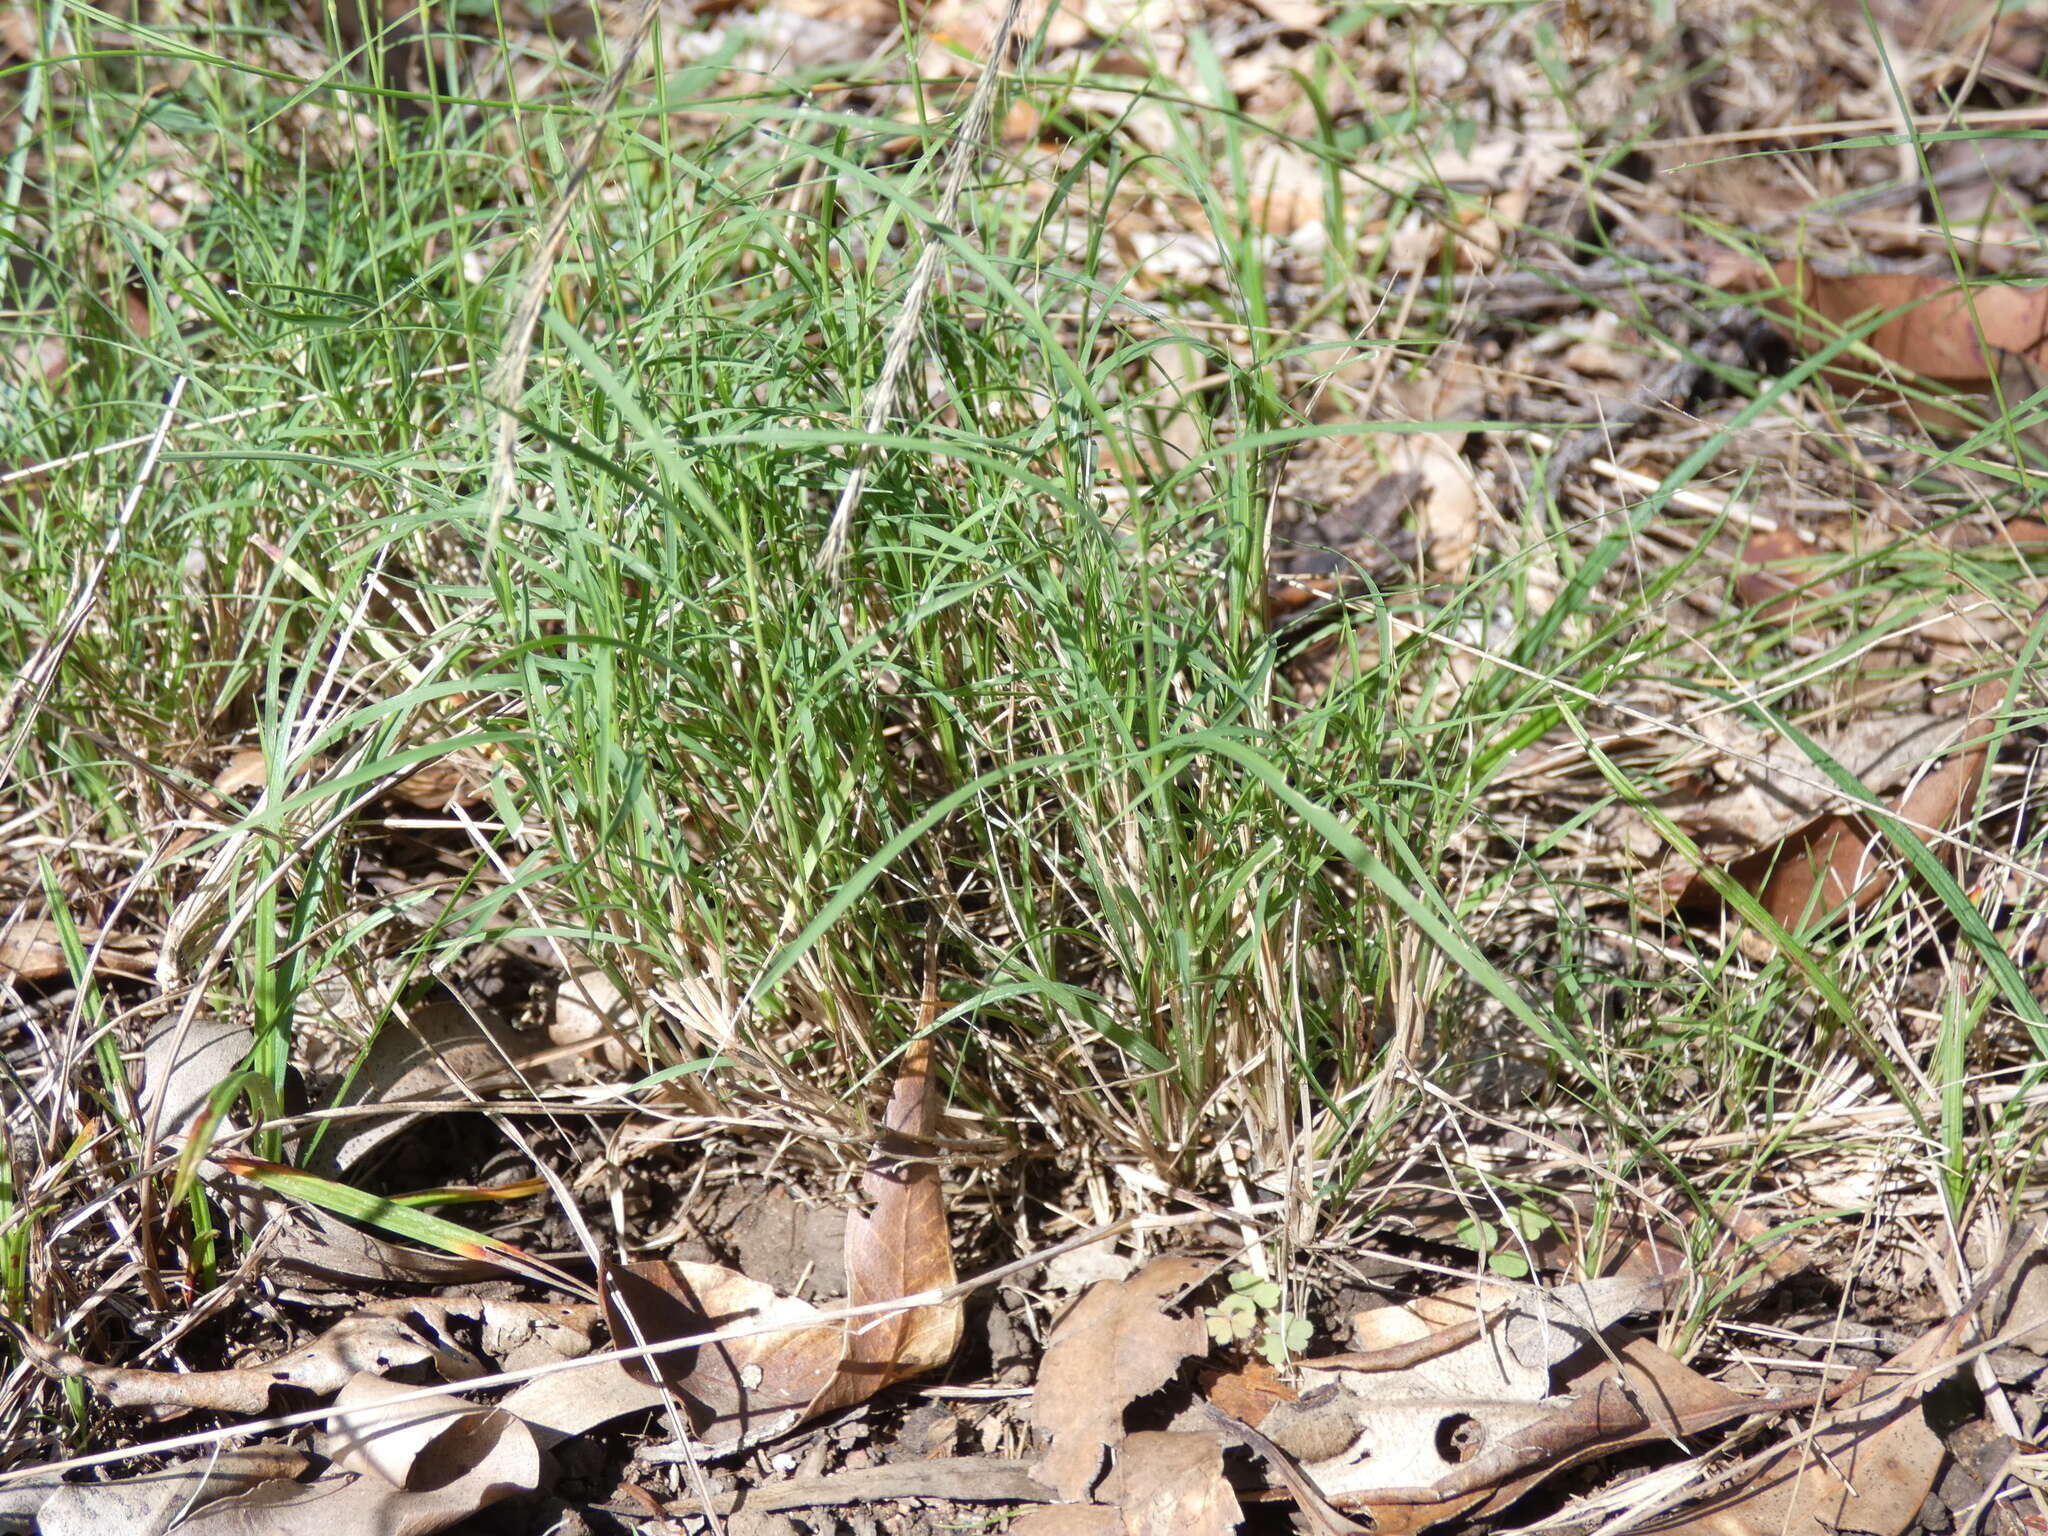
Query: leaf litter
(1436, 1411)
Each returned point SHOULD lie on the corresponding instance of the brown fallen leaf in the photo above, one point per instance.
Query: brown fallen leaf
(1116, 1344)
(1953, 26)
(30, 950)
(798, 1367)
(1248, 1393)
(2021, 377)
(1171, 1484)
(321, 1248)
(1416, 1414)
(1867, 1467)
(739, 1392)
(182, 1063)
(1947, 334)
(1673, 1398)
(407, 1469)
(1777, 577)
(460, 779)
(1449, 515)
(1317, 1512)
(1647, 1399)
(1766, 787)
(1841, 860)
(591, 1011)
(900, 1245)
(432, 1052)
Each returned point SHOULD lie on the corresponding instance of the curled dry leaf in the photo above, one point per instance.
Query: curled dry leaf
(1673, 1398)
(1317, 1514)
(739, 1392)
(793, 1365)
(1116, 1344)
(434, 1052)
(1361, 1433)
(900, 1245)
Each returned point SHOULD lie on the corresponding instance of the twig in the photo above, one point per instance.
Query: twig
(964, 1479)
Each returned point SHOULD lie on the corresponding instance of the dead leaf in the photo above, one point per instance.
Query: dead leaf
(1948, 333)
(440, 1051)
(1360, 1434)
(565, 1404)
(30, 950)
(326, 1250)
(1449, 516)
(1672, 1395)
(1777, 576)
(246, 766)
(1293, 15)
(1767, 815)
(384, 1429)
(900, 1245)
(1868, 1466)
(751, 1389)
(182, 1063)
(1168, 1484)
(150, 1502)
(460, 779)
(1840, 860)
(1248, 1393)
(418, 1467)
(739, 1392)
(20, 30)
(1115, 1345)
(591, 1011)
(2021, 378)
(1078, 1268)
(1317, 1513)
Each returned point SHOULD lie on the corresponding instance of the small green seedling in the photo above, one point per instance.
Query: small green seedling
(1251, 1313)
(1488, 1239)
